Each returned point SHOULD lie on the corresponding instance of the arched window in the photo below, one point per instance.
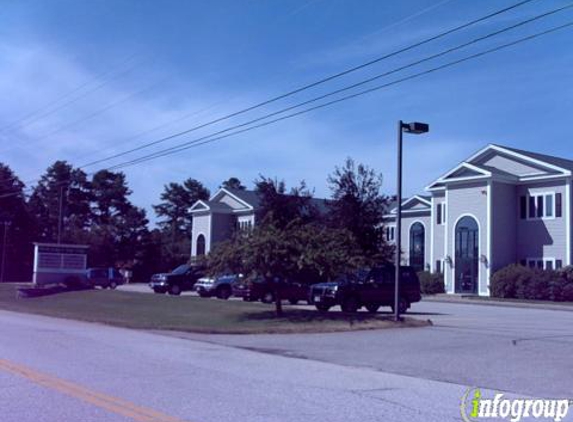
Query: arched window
(417, 245)
(200, 245)
(467, 255)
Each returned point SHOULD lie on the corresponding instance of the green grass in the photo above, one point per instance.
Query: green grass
(188, 313)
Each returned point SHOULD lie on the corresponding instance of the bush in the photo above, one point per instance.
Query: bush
(431, 283)
(519, 282)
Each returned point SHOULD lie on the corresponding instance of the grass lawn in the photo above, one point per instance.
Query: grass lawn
(188, 313)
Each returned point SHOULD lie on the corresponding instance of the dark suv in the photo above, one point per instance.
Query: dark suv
(254, 289)
(371, 288)
(181, 279)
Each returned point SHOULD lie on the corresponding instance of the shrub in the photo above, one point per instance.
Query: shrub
(519, 282)
(431, 283)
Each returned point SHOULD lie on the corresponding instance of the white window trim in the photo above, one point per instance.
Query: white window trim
(536, 195)
(545, 261)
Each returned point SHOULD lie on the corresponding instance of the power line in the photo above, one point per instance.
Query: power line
(370, 90)
(348, 97)
(364, 82)
(321, 81)
(34, 117)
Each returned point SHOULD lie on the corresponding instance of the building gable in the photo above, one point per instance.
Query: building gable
(513, 165)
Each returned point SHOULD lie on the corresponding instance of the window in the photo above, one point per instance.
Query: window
(539, 206)
(558, 264)
(558, 205)
(439, 266)
(441, 213)
(390, 233)
(543, 263)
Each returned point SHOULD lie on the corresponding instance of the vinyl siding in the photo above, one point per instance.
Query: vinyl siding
(504, 214)
(424, 218)
(201, 225)
(470, 199)
(438, 231)
(512, 165)
(542, 238)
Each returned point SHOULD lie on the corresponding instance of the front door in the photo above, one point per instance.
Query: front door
(467, 258)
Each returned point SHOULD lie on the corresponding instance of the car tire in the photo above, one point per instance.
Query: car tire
(175, 290)
(350, 305)
(372, 308)
(322, 307)
(403, 306)
(224, 292)
(293, 301)
(112, 285)
(268, 297)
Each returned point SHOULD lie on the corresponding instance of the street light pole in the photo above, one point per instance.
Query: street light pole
(415, 128)
(6, 225)
(398, 242)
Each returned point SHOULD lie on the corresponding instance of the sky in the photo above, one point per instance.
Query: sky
(82, 81)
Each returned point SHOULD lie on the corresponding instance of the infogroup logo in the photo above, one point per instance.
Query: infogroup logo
(475, 407)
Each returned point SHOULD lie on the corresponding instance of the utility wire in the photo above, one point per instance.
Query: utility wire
(370, 90)
(319, 82)
(348, 97)
(347, 88)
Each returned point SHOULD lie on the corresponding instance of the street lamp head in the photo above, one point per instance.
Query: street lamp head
(416, 127)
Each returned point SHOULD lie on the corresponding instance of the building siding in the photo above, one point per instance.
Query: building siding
(512, 165)
(542, 238)
(407, 222)
(201, 225)
(470, 200)
(504, 214)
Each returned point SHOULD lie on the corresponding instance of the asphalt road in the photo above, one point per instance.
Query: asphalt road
(58, 370)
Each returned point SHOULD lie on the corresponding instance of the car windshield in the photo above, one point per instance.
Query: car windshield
(182, 269)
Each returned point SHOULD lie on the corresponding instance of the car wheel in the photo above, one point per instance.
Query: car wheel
(268, 297)
(322, 307)
(293, 301)
(112, 285)
(373, 308)
(224, 292)
(403, 306)
(175, 290)
(350, 305)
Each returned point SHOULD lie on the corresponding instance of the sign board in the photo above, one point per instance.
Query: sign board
(58, 263)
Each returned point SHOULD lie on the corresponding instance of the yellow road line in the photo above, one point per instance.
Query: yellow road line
(104, 401)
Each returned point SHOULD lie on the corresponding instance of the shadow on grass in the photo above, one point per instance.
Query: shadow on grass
(304, 316)
(31, 292)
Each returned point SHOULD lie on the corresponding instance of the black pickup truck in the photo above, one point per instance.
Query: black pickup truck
(181, 279)
(371, 288)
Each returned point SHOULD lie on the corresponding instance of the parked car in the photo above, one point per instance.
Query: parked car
(181, 279)
(104, 277)
(371, 288)
(253, 289)
(220, 287)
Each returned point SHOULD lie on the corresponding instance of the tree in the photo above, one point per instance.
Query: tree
(289, 253)
(16, 226)
(176, 220)
(359, 206)
(233, 183)
(61, 188)
(117, 226)
(280, 207)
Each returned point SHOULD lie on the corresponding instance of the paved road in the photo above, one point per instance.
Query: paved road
(58, 370)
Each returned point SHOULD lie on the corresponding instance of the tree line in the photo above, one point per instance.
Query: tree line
(68, 206)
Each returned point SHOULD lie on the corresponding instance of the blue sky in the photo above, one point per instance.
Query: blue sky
(106, 76)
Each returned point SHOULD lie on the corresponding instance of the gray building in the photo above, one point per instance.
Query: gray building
(227, 210)
(500, 206)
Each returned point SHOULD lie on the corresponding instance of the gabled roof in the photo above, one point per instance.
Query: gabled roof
(476, 167)
(250, 199)
(408, 203)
